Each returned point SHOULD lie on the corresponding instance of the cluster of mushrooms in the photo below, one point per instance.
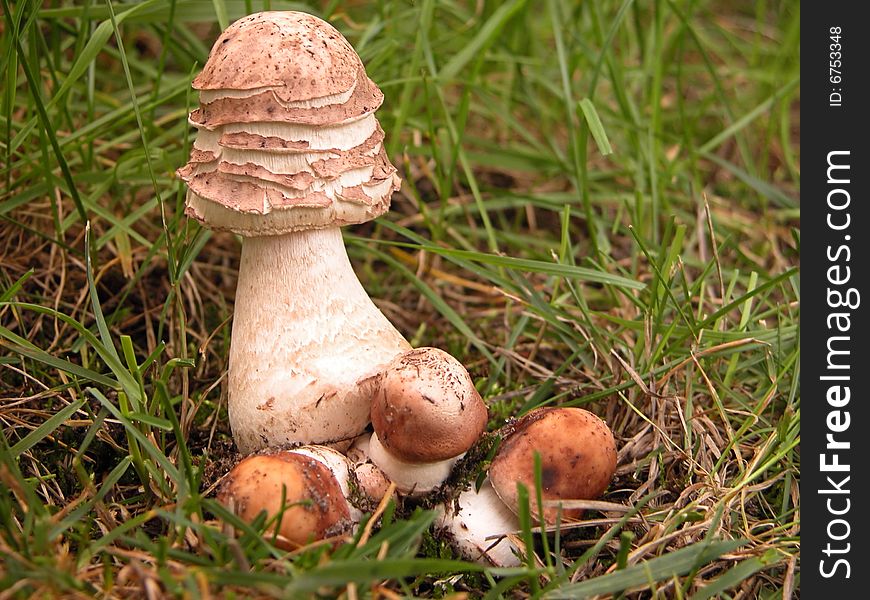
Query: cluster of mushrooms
(288, 150)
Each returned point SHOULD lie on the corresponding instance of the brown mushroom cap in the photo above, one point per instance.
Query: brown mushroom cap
(324, 163)
(265, 106)
(289, 138)
(298, 55)
(285, 83)
(578, 458)
(426, 408)
(301, 176)
(314, 506)
(261, 199)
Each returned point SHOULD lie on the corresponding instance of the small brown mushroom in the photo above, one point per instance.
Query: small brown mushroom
(578, 458)
(426, 414)
(297, 491)
(372, 481)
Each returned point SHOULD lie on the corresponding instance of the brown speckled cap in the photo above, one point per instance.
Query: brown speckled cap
(368, 154)
(426, 408)
(578, 458)
(280, 83)
(298, 55)
(265, 106)
(314, 506)
(275, 143)
(249, 197)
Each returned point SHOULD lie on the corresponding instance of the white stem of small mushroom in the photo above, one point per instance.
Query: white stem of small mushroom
(306, 343)
(475, 529)
(411, 479)
(371, 479)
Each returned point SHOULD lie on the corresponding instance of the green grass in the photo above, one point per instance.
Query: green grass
(599, 208)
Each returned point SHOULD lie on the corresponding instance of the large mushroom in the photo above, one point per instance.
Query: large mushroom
(288, 150)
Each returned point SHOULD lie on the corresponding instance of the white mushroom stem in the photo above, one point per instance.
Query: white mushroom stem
(307, 342)
(411, 479)
(477, 530)
(372, 481)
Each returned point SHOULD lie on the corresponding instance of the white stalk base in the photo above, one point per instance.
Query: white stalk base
(474, 530)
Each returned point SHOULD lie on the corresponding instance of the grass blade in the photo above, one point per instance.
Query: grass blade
(46, 428)
(673, 564)
(593, 121)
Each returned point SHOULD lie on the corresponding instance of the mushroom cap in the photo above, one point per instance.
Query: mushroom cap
(267, 106)
(578, 458)
(276, 137)
(426, 408)
(301, 175)
(279, 89)
(296, 54)
(249, 209)
(341, 467)
(314, 506)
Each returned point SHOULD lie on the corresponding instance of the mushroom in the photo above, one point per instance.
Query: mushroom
(578, 460)
(288, 150)
(426, 414)
(303, 493)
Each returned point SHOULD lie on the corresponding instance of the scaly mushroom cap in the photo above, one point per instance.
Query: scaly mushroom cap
(578, 458)
(287, 140)
(426, 408)
(265, 106)
(298, 55)
(314, 506)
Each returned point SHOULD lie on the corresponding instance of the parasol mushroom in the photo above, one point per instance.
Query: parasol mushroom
(288, 150)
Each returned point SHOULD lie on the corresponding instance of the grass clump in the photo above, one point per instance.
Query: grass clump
(599, 209)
